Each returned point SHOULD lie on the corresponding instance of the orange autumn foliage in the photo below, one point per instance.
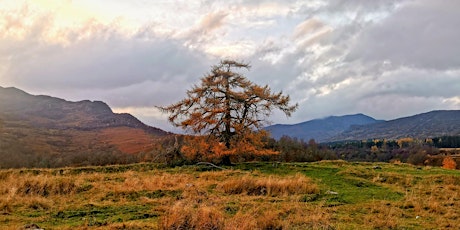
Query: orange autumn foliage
(211, 149)
(404, 141)
(449, 163)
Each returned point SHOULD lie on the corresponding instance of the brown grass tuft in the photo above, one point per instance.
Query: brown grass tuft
(46, 185)
(255, 219)
(184, 215)
(271, 186)
(5, 207)
(38, 203)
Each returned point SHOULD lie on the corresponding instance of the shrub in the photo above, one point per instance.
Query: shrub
(418, 158)
(449, 163)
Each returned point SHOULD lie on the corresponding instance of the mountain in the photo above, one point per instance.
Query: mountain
(320, 129)
(37, 127)
(55, 113)
(425, 125)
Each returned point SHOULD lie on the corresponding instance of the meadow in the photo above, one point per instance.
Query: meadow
(258, 195)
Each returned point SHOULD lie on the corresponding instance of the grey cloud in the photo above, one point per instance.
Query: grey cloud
(395, 106)
(418, 83)
(421, 34)
(103, 64)
(358, 6)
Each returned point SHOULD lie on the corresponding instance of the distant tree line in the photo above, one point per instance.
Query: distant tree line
(447, 142)
(170, 151)
(289, 149)
(18, 157)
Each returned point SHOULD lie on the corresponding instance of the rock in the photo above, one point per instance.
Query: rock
(332, 192)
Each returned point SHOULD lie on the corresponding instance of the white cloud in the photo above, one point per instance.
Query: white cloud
(452, 102)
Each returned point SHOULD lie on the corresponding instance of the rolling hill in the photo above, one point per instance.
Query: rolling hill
(425, 125)
(34, 128)
(320, 129)
(362, 127)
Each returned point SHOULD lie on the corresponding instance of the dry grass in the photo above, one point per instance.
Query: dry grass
(247, 214)
(271, 186)
(28, 185)
(429, 202)
(438, 199)
(246, 201)
(187, 198)
(192, 200)
(183, 215)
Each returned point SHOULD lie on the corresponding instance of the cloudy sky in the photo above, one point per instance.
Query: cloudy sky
(383, 58)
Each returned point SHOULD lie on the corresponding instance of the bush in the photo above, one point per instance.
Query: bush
(418, 158)
(449, 163)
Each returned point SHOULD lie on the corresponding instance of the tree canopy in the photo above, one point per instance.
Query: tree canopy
(227, 105)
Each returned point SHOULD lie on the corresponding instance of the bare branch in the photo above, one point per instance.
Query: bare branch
(210, 164)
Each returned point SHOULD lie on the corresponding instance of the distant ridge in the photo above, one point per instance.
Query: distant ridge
(361, 127)
(320, 129)
(426, 125)
(56, 113)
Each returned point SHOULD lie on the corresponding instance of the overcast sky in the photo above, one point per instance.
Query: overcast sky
(383, 58)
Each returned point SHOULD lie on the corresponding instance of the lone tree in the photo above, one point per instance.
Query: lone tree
(227, 106)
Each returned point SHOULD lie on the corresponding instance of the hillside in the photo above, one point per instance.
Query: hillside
(55, 113)
(320, 129)
(425, 125)
(35, 130)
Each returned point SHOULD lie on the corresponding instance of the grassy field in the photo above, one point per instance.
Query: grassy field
(323, 195)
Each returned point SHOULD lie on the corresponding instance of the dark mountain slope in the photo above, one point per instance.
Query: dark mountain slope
(51, 112)
(425, 125)
(320, 129)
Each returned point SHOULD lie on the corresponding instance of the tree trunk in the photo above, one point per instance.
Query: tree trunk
(228, 115)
